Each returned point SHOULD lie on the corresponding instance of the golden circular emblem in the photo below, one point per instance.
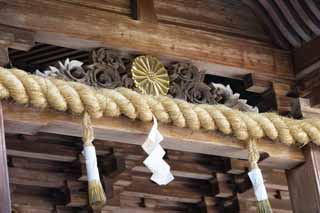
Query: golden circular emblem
(150, 76)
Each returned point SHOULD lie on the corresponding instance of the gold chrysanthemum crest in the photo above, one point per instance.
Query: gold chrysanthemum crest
(150, 76)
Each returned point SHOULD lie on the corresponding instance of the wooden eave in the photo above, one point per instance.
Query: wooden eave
(67, 24)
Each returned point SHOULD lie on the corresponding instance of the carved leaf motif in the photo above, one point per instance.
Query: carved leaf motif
(103, 76)
(231, 99)
(69, 70)
(199, 93)
(176, 91)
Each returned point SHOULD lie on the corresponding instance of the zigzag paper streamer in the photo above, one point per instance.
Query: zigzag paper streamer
(154, 162)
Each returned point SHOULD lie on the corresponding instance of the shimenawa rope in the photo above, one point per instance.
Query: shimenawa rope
(76, 98)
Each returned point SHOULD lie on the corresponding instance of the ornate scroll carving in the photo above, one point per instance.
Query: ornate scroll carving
(110, 69)
(104, 76)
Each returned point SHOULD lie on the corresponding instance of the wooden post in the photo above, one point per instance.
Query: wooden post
(5, 202)
(304, 182)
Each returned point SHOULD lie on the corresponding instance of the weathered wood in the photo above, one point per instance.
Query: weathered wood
(19, 119)
(171, 41)
(5, 200)
(269, 25)
(315, 97)
(29, 177)
(306, 58)
(39, 150)
(143, 10)
(151, 190)
(225, 189)
(209, 205)
(4, 56)
(306, 109)
(20, 39)
(283, 102)
(304, 182)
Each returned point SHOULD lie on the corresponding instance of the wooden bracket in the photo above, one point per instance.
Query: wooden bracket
(281, 91)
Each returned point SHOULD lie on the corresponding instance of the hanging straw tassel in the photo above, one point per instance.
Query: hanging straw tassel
(256, 178)
(96, 194)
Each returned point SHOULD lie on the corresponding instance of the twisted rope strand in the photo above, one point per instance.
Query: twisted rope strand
(77, 98)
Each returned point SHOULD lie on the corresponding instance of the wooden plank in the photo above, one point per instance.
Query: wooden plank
(20, 119)
(5, 199)
(211, 15)
(143, 10)
(29, 177)
(150, 190)
(157, 39)
(304, 182)
(269, 25)
(43, 151)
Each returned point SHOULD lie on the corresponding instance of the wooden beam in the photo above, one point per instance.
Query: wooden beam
(304, 182)
(20, 39)
(170, 192)
(29, 177)
(307, 58)
(118, 31)
(5, 199)
(43, 151)
(23, 120)
(143, 10)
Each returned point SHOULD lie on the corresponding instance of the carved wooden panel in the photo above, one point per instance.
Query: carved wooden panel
(112, 69)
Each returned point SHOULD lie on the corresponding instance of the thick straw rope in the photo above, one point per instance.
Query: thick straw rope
(76, 98)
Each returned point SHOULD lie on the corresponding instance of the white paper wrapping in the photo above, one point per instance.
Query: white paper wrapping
(258, 185)
(154, 162)
(89, 153)
(154, 138)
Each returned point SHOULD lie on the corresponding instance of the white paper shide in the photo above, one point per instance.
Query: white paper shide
(154, 162)
(258, 185)
(89, 153)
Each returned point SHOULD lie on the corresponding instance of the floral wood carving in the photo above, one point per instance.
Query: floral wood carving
(150, 76)
(109, 69)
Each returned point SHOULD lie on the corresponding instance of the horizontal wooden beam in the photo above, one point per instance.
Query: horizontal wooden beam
(23, 120)
(118, 31)
(19, 39)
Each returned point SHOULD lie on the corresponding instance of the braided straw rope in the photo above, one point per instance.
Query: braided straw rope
(76, 98)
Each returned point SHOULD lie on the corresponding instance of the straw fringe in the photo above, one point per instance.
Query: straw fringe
(76, 98)
(97, 197)
(263, 206)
